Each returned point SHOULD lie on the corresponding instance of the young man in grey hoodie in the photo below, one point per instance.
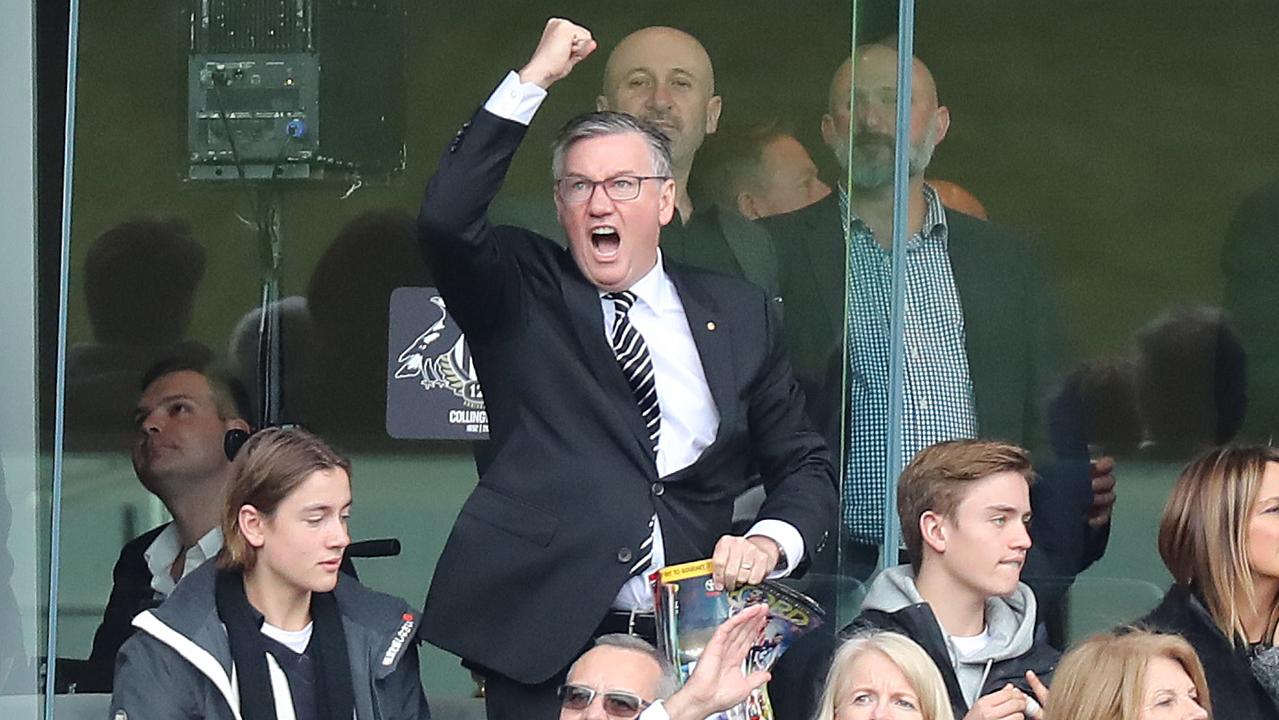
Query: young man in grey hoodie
(964, 507)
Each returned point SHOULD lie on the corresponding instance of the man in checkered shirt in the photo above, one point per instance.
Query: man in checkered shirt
(978, 331)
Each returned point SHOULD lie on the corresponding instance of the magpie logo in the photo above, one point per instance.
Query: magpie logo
(453, 370)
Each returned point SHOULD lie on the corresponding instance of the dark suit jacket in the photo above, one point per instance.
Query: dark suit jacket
(1013, 347)
(1005, 314)
(720, 239)
(131, 593)
(546, 540)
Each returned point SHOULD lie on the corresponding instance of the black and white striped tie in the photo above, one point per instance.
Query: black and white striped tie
(632, 355)
(646, 550)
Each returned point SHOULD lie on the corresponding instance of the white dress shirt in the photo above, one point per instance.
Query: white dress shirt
(690, 419)
(163, 552)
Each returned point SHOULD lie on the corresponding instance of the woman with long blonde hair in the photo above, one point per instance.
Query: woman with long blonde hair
(1136, 675)
(1219, 537)
(883, 675)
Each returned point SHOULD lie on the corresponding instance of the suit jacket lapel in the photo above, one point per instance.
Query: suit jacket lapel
(582, 303)
(986, 307)
(712, 336)
(751, 246)
(826, 252)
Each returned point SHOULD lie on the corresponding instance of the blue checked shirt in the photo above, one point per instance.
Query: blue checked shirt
(938, 390)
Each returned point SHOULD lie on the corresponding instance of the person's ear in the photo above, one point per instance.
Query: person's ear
(746, 206)
(252, 525)
(666, 201)
(943, 123)
(713, 108)
(828, 130)
(601, 103)
(237, 424)
(933, 531)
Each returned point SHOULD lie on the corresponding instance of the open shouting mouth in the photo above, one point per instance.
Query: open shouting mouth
(605, 241)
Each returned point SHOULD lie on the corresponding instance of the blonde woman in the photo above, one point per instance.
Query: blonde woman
(1219, 538)
(1135, 675)
(883, 675)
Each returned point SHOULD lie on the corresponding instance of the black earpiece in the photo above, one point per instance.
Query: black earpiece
(233, 441)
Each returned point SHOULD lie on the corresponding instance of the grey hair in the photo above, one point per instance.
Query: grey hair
(667, 681)
(607, 122)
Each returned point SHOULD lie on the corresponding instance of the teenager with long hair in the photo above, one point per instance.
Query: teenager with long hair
(275, 630)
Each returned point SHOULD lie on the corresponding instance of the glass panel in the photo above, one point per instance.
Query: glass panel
(285, 279)
(23, 504)
(1148, 232)
(840, 295)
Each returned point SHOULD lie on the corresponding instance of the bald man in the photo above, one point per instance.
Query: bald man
(665, 76)
(979, 344)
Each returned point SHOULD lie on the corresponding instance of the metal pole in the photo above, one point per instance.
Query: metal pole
(59, 413)
(897, 315)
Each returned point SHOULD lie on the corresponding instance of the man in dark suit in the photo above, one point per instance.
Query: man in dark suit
(181, 419)
(665, 76)
(592, 483)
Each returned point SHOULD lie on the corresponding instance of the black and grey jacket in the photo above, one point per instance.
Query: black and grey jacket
(1017, 643)
(1236, 691)
(178, 664)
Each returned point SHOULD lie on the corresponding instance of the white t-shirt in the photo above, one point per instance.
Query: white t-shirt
(295, 640)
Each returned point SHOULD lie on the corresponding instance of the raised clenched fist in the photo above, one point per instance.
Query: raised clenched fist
(562, 46)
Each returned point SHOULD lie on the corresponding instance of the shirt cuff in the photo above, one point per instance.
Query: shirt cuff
(785, 535)
(655, 712)
(514, 100)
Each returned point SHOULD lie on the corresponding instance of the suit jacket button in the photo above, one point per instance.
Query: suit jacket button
(658, 488)
(624, 555)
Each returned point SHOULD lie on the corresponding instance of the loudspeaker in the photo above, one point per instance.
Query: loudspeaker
(295, 89)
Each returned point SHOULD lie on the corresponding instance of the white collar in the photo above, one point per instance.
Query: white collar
(163, 551)
(654, 288)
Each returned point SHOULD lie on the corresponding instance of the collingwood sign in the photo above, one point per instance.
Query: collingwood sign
(432, 391)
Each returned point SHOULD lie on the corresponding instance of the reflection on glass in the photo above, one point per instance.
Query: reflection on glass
(140, 282)
(1247, 258)
(1163, 249)
(17, 675)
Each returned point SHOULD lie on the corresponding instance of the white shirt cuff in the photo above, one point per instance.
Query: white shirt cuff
(655, 712)
(785, 535)
(514, 100)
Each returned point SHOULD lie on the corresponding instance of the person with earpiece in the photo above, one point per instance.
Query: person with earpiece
(185, 418)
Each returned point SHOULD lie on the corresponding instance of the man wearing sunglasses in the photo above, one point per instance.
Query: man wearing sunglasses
(630, 400)
(625, 677)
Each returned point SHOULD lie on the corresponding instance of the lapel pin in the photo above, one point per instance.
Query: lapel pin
(710, 325)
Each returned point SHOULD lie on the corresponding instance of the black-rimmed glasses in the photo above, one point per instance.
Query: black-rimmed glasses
(616, 704)
(575, 189)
